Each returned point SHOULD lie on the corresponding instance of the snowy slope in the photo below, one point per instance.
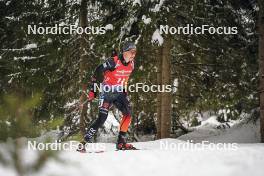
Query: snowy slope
(244, 131)
(168, 157)
(155, 160)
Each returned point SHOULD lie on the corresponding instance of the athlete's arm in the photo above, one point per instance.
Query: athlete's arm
(109, 64)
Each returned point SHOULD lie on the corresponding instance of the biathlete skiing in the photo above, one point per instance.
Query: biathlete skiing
(116, 72)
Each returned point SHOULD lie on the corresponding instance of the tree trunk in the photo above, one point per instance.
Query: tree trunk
(159, 99)
(166, 96)
(261, 65)
(83, 65)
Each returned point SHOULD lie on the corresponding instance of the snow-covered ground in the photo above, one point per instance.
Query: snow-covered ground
(239, 155)
(245, 130)
(155, 159)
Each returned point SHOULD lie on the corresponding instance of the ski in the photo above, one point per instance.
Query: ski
(127, 149)
(103, 151)
(100, 151)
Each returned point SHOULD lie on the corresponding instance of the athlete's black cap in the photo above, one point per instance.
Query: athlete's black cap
(128, 46)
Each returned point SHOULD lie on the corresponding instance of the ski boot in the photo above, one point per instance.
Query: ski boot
(81, 147)
(122, 144)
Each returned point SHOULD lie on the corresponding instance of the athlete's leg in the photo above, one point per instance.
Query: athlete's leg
(123, 105)
(103, 112)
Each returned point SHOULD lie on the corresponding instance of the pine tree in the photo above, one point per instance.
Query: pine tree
(261, 65)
